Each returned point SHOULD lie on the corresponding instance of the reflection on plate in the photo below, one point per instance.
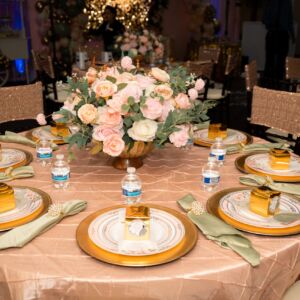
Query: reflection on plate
(11, 157)
(44, 132)
(107, 230)
(30, 203)
(233, 137)
(186, 243)
(232, 206)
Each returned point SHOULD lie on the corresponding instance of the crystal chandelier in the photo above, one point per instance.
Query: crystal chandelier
(132, 13)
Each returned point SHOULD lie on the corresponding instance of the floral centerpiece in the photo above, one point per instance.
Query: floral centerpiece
(144, 44)
(117, 108)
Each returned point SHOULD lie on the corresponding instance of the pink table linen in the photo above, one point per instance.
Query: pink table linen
(53, 267)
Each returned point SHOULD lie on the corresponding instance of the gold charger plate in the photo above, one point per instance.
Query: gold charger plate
(28, 159)
(184, 246)
(37, 213)
(29, 134)
(241, 166)
(249, 140)
(213, 208)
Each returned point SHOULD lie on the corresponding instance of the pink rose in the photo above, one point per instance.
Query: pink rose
(116, 102)
(199, 84)
(143, 39)
(126, 63)
(41, 119)
(144, 81)
(104, 88)
(125, 47)
(133, 44)
(132, 90)
(180, 138)
(142, 50)
(182, 101)
(125, 77)
(193, 93)
(91, 75)
(152, 109)
(100, 133)
(113, 145)
(109, 117)
(167, 107)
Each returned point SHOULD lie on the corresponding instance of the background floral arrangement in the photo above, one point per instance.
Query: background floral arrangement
(117, 106)
(144, 43)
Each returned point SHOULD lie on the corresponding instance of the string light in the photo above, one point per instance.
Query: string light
(132, 13)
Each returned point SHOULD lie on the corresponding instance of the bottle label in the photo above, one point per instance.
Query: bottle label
(61, 176)
(218, 156)
(44, 153)
(134, 193)
(211, 180)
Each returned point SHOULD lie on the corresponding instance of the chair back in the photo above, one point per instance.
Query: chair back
(42, 62)
(232, 63)
(276, 109)
(200, 68)
(21, 102)
(251, 75)
(209, 53)
(292, 68)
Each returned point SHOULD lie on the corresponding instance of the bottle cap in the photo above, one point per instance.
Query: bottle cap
(60, 156)
(131, 170)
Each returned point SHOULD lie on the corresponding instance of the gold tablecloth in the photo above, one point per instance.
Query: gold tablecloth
(53, 267)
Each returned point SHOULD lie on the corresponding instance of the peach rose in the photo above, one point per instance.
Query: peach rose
(193, 94)
(125, 77)
(56, 117)
(199, 84)
(41, 119)
(116, 102)
(143, 130)
(152, 109)
(160, 74)
(87, 113)
(109, 117)
(126, 63)
(104, 89)
(91, 75)
(167, 107)
(144, 81)
(182, 101)
(100, 133)
(180, 138)
(113, 145)
(164, 91)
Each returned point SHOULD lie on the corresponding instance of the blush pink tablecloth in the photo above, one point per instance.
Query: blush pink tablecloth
(53, 267)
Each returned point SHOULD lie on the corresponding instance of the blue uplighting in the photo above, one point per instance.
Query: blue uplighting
(20, 65)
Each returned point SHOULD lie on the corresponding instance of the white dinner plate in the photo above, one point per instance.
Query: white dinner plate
(11, 157)
(45, 132)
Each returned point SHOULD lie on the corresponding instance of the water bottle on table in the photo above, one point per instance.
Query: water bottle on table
(218, 150)
(44, 151)
(60, 172)
(211, 174)
(131, 187)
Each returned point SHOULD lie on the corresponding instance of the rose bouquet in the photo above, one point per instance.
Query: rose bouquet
(117, 106)
(145, 44)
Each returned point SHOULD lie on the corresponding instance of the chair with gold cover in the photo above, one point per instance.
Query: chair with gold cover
(277, 110)
(20, 103)
(292, 73)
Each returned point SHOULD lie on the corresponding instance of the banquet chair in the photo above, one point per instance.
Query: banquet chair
(277, 110)
(20, 106)
(250, 80)
(292, 73)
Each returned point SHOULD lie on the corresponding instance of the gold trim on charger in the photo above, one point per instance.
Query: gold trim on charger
(33, 138)
(184, 246)
(28, 159)
(249, 140)
(213, 207)
(241, 166)
(40, 211)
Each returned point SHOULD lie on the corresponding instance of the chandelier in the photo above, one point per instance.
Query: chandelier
(132, 13)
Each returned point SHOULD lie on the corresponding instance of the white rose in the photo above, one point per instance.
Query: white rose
(160, 74)
(104, 88)
(143, 130)
(87, 113)
(164, 91)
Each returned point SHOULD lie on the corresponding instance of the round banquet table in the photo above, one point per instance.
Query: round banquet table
(52, 266)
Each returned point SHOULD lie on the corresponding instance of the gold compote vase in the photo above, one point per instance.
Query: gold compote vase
(133, 157)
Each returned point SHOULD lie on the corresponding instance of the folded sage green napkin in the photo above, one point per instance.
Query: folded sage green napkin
(20, 172)
(12, 137)
(20, 236)
(255, 180)
(255, 147)
(218, 231)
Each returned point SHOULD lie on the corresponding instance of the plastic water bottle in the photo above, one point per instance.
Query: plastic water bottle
(44, 151)
(211, 175)
(60, 172)
(218, 150)
(131, 187)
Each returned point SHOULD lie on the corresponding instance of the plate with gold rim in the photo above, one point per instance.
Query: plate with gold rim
(174, 247)
(234, 137)
(232, 206)
(13, 157)
(257, 163)
(30, 204)
(44, 132)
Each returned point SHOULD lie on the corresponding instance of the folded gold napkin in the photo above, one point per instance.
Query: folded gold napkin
(255, 180)
(20, 236)
(20, 172)
(12, 137)
(218, 231)
(255, 147)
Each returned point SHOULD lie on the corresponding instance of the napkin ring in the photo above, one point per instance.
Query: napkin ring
(55, 210)
(197, 208)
